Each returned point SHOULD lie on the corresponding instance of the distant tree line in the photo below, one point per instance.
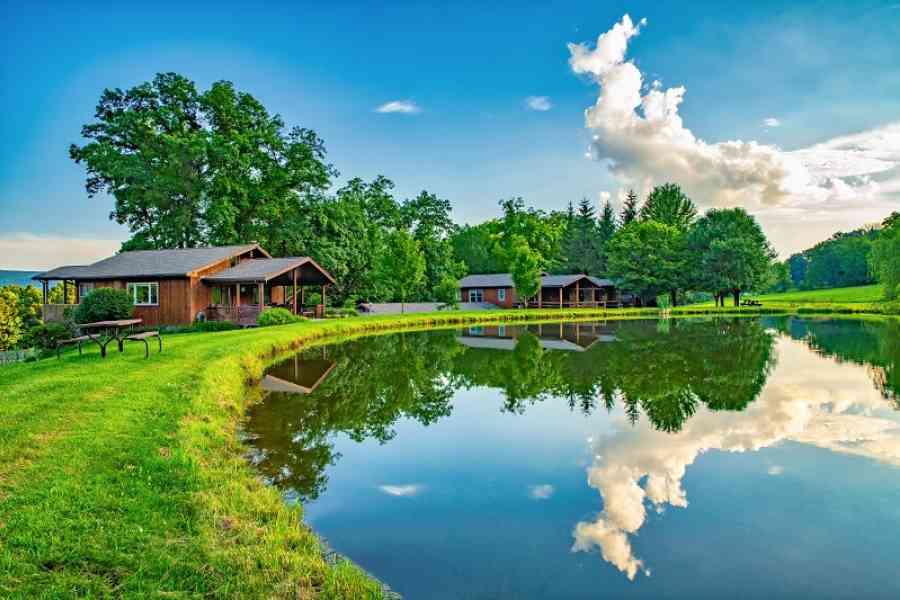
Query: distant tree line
(859, 257)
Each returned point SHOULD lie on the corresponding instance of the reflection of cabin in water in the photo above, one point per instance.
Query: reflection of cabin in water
(297, 375)
(572, 337)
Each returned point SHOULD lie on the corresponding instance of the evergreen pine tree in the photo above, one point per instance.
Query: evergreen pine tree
(630, 208)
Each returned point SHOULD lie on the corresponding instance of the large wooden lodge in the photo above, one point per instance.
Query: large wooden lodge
(180, 286)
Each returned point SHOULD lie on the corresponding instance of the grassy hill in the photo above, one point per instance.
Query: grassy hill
(19, 277)
(846, 295)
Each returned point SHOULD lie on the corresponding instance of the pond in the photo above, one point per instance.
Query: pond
(694, 458)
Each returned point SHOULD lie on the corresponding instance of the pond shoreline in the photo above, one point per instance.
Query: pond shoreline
(175, 419)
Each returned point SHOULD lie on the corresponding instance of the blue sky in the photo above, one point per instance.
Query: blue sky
(822, 69)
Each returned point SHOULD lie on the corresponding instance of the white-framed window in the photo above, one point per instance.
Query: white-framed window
(84, 289)
(476, 295)
(144, 294)
(501, 295)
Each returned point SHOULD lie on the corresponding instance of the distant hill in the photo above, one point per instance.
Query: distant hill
(19, 277)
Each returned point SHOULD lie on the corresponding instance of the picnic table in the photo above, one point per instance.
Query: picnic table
(107, 331)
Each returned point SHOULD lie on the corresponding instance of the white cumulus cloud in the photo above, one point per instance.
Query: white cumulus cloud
(539, 103)
(639, 135)
(406, 107)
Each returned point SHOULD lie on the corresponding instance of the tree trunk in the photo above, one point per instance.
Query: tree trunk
(737, 297)
(673, 295)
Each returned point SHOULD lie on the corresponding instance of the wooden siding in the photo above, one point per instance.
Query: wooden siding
(491, 295)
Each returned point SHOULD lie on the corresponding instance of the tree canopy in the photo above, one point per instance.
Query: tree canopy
(668, 205)
(648, 258)
(885, 257)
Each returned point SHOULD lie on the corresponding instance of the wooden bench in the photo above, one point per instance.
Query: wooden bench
(81, 339)
(143, 337)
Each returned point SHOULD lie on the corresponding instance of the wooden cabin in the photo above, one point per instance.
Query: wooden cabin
(180, 286)
(557, 291)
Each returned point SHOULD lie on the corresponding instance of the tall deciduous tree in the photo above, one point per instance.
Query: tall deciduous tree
(543, 233)
(667, 204)
(428, 218)
(402, 266)
(525, 266)
(649, 259)
(730, 253)
(885, 256)
(630, 208)
(189, 168)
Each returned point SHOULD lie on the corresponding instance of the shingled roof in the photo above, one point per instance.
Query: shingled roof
(498, 280)
(261, 270)
(150, 263)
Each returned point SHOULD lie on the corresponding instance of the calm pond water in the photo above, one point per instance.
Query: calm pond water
(734, 458)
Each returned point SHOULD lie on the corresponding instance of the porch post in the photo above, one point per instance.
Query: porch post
(44, 285)
(237, 296)
(577, 294)
(65, 291)
(540, 297)
(294, 297)
(560, 297)
(323, 299)
(261, 288)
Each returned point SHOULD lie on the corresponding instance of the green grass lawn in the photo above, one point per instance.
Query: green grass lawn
(125, 477)
(860, 299)
(863, 293)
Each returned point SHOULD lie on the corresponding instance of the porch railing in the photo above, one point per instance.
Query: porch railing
(243, 315)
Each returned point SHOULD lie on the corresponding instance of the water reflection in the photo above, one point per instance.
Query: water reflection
(674, 391)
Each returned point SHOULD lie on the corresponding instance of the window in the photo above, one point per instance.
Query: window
(501, 295)
(476, 295)
(144, 294)
(84, 289)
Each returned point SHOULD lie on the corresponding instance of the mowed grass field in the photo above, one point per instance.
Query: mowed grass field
(125, 477)
(863, 293)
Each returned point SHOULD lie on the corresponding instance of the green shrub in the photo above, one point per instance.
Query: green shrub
(341, 312)
(104, 304)
(46, 335)
(276, 316)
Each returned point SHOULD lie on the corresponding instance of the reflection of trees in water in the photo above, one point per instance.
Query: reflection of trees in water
(662, 372)
(375, 382)
(874, 344)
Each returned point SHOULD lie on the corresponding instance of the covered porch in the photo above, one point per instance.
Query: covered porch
(575, 291)
(239, 294)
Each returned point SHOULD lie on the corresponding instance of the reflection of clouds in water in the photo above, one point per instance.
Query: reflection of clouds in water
(808, 399)
(541, 492)
(775, 470)
(410, 489)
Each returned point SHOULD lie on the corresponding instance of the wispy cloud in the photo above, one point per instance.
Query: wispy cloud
(26, 251)
(775, 470)
(541, 492)
(771, 122)
(405, 490)
(539, 103)
(405, 107)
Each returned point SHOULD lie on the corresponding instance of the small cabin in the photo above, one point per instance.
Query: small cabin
(559, 291)
(183, 285)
